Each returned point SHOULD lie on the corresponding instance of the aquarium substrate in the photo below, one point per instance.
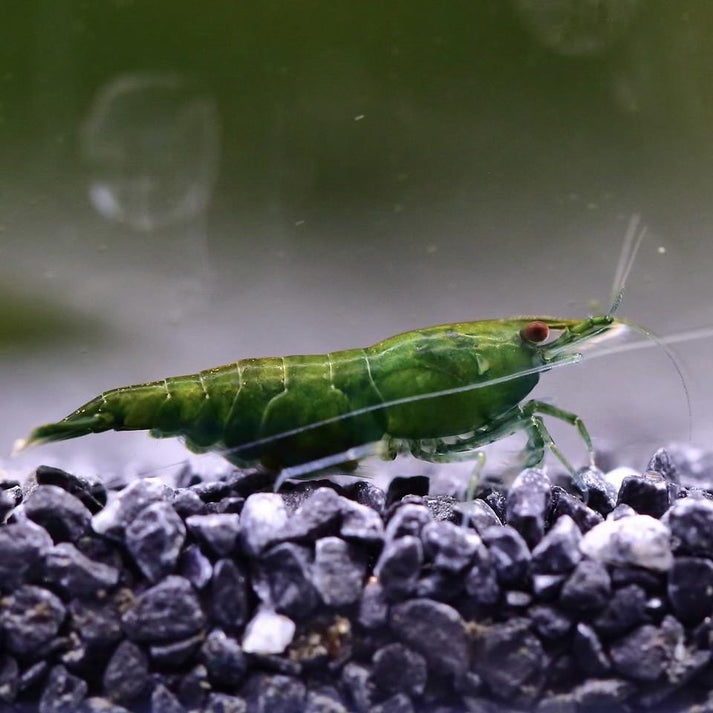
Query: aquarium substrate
(225, 597)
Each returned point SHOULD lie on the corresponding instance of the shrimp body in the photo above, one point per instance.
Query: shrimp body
(438, 393)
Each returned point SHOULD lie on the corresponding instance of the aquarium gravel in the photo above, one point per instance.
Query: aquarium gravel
(226, 597)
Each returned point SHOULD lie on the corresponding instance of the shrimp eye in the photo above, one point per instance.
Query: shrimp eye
(535, 332)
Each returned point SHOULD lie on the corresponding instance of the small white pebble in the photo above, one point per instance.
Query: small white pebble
(268, 633)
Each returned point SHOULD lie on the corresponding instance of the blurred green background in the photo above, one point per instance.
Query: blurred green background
(185, 185)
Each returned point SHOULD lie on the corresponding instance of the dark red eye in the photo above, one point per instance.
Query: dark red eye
(535, 332)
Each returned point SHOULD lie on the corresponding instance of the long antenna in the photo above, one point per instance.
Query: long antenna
(632, 241)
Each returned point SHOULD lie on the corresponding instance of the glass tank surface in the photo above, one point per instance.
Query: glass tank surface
(183, 187)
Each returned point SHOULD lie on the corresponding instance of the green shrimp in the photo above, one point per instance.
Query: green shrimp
(439, 393)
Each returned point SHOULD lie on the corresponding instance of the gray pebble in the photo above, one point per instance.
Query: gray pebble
(558, 552)
(324, 701)
(31, 618)
(601, 494)
(229, 594)
(373, 608)
(338, 572)
(219, 532)
(479, 513)
(67, 568)
(176, 653)
(154, 538)
(509, 554)
(398, 669)
(319, 515)
(224, 703)
(96, 704)
(9, 678)
(527, 503)
(448, 546)
(511, 661)
(163, 701)
(481, 582)
(61, 514)
(263, 522)
(187, 503)
(565, 504)
(587, 589)
(608, 694)
(690, 585)
(648, 493)
(224, 659)
(126, 675)
(547, 586)
(625, 609)
(621, 511)
(124, 507)
(646, 652)
(63, 692)
(361, 523)
(691, 523)
(399, 565)
(195, 567)
(356, 680)
(194, 687)
(400, 703)
(408, 519)
(22, 546)
(639, 540)
(275, 694)
(97, 622)
(166, 612)
(589, 652)
(550, 623)
(435, 630)
(283, 580)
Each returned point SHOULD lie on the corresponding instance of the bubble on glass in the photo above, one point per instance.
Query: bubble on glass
(152, 142)
(577, 28)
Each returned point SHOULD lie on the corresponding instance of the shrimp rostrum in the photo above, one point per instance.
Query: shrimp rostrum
(439, 393)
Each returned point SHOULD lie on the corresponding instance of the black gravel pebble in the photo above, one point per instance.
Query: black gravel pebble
(22, 546)
(399, 565)
(558, 552)
(435, 630)
(509, 554)
(214, 598)
(218, 532)
(527, 503)
(396, 669)
(63, 692)
(587, 589)
(127, 674)
(166, 612)
(64, 516)
(511, 660)
(690, 589)
(31, 618)
(154, 538)
(92, 493)
(648, 493)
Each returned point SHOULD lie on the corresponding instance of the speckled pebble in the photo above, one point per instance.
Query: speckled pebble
(398, 669)
(558, 552)
(64, 516)
(163, 701)
(263, 522)
(224, 659)
(565, 504)
(449, 547)
(195, 567)
(218, 532)
(587, 589)
(166, 612)
(398, 566)
(338, 572)
(639, 540)
(127, 674)
(435, 630)
(509, 554)
(30, 617)
(408, 520)
(647, 493)
(319, 515)
(224, 703)
(63, 692)
(275, 693)
(22, 546)
(229, 594)
(527, 503)
(67, 568)
(373, 607)
(691, 524)
(690, 589)
(154, 538)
